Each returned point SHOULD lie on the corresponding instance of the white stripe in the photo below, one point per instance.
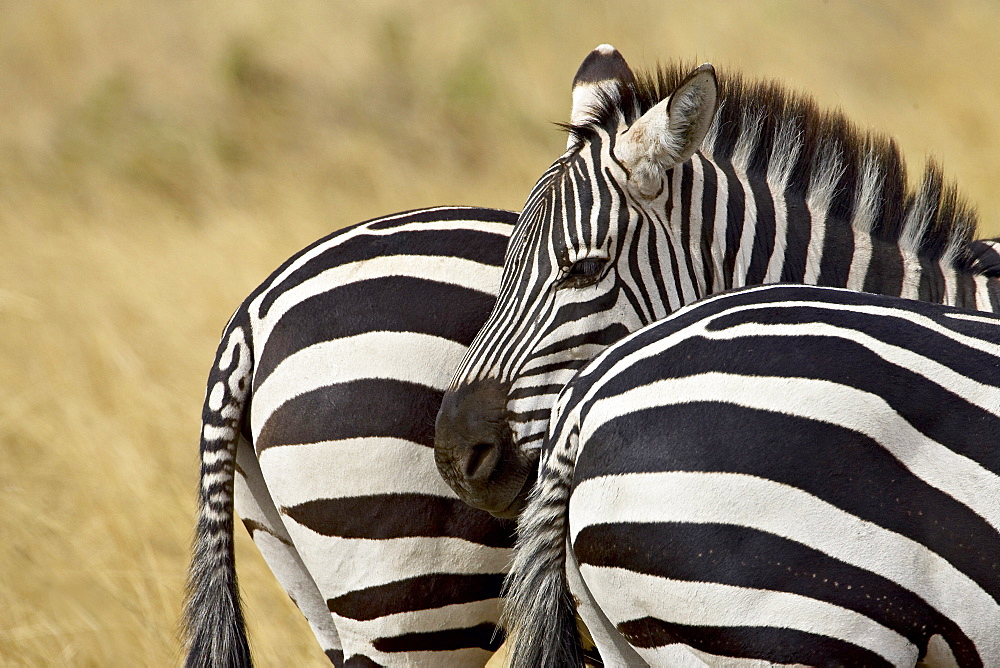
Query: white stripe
(720, 237)
(351, 467)
(416, 358)
(688, 293)
(360, 634)
(212, 433)
(779, 169)
(973, 318)
(978, 394)
(696, 222)
(216, 396)
(821, 190)
(764, 505)
(711, 604)
(949, 274)
(866, 204)
(341, 565)
(210, 457)
(911, 275)
(474, 275)
(236, 339)
(500, 229)
(683, 656)
(748, 139)
(982, 293)
(859, 262)
(831, 403)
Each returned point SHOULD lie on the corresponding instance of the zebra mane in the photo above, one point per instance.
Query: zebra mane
(759, 120)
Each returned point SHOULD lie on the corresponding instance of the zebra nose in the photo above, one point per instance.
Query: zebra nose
(473, 447)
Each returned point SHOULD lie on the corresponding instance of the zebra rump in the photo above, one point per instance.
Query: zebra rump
(317, 429)
(781, 474)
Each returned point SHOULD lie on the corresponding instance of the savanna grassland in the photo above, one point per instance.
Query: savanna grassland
(157, 160)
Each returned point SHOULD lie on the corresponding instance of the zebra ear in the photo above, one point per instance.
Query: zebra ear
(669, 133)
(601, 72)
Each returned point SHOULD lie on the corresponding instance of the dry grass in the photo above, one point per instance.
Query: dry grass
(158, 159)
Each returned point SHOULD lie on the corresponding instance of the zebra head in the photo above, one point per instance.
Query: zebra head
(566, 292)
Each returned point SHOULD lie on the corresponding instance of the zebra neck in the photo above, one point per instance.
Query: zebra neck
(768, 245)
(727, 229)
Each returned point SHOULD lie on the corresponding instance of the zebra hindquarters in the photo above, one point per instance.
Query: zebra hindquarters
(409, 573)
(260, 517)
(794, 485)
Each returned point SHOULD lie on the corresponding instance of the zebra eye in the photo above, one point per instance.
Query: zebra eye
(583, 273)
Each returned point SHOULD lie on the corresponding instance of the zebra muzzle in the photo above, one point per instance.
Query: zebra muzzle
(475, 452)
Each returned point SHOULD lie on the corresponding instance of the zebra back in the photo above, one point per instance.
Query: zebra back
(815, 468)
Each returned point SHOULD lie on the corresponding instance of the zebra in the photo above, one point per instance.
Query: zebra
(317, 426)
(677, 185)
(783, 474)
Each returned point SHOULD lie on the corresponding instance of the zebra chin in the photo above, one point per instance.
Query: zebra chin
(475, 451)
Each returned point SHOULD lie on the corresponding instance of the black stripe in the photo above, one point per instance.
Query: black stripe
(336, 657)
(361, 408)
(656, 294)
(455, 213)
(474, 245)
(709, 190)
(897, 331)
(839, 466)
(743, 557)
(484, 636)
(768, 644)
(885, 270)
(793, 269)
(931, 288)
(576, 311)
(628, 287)
(423, 592)
(966, 293)
(735, 206)
(685, 172)
(994, 292)
(764, 232)
(360, 661)
(385, 304)
(838, 253)
(388, 516)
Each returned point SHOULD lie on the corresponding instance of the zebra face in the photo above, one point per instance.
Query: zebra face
(584, 244)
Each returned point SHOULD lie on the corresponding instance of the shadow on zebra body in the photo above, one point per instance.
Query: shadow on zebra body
(775, 475)
(318, 427)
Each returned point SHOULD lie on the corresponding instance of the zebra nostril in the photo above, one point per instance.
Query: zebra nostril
(481, 461)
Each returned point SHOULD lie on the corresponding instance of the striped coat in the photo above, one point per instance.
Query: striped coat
(317, 428)
(783, 474)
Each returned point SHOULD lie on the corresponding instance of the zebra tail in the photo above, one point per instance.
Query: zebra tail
(539, 613)
(214, 627)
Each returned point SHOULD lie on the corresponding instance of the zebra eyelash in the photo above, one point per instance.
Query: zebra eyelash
(582, 273)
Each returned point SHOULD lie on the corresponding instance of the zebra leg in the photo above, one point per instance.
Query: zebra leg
(214, 626)
(256, 508)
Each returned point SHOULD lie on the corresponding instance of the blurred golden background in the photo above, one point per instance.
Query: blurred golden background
(158, 160)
